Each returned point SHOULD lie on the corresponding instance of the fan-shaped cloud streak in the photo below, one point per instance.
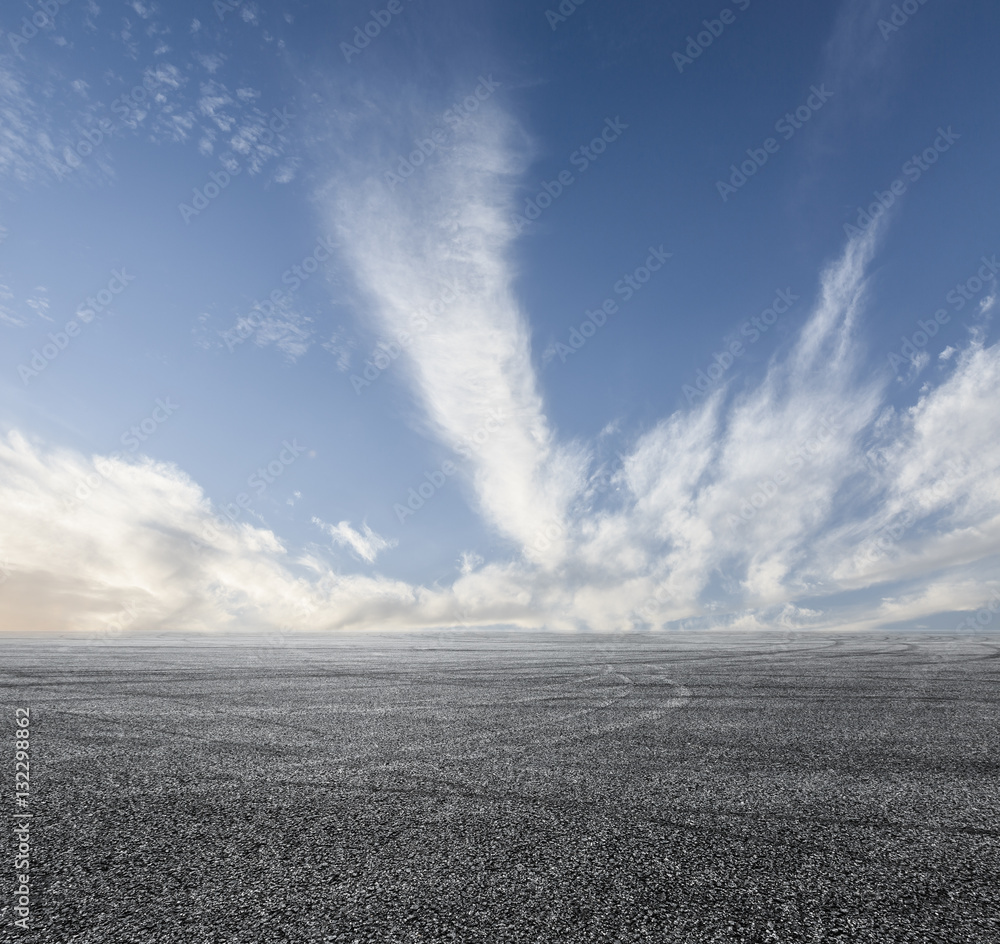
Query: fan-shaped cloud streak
(432, 258)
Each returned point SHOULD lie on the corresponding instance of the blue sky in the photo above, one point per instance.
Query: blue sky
(498, 314)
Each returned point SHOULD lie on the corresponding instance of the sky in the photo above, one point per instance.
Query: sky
(573, 316)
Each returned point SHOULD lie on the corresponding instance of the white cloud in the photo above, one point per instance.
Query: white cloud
(39, 136)
(469, 561)
(740, 486)
(286, 172)
(7, 315)
(939, 484)
(366, 544)
(91, 543)
(212, 103)
(27, 150)
(340, 346)
(211, 63)
(38, 303)
(291, 333)
(920, 362)
(431, 259)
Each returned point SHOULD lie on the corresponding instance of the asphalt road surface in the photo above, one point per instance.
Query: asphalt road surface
(486, 788)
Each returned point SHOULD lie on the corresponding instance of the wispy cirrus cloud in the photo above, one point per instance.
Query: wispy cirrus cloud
(136, 92)
(448, 233)
(367, 544)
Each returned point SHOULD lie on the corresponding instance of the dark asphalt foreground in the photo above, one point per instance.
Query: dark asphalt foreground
(675, 788)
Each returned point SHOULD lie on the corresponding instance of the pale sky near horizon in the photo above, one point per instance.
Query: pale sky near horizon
(578, 316)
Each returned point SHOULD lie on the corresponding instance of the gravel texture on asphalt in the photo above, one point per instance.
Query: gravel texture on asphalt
(494, 788)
